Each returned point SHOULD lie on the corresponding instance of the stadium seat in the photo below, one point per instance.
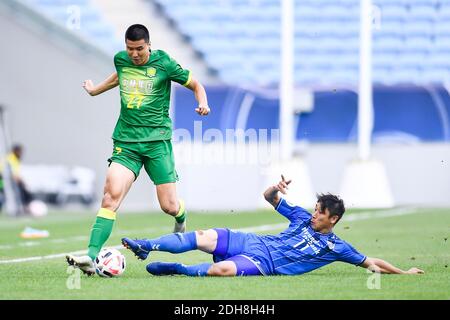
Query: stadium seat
(421, 12)
(90, 24)
(443, 13)
(381, 74)
(394, 11)
(418, 44)
(389, 28)
(388, 44)
(326, 36)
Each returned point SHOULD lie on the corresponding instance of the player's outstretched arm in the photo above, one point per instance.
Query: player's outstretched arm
(111, 82)
(381, 266)
(200, 95)
(271, 194)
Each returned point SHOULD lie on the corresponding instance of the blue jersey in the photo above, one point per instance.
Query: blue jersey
(300, 249)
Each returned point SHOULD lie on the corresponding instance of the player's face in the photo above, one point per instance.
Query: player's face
(138, 51)
(321, 220)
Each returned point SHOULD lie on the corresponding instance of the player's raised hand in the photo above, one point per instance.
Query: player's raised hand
(282, 186)
(202, 110)
(88, 85)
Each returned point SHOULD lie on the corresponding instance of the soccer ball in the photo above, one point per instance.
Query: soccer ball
(110, 263)
(37, 208)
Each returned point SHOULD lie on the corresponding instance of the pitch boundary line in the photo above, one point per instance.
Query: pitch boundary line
(32, 243)
(353, 217)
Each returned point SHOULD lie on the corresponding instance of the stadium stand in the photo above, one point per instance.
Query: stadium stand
(240, 40)
(410, 45)
(83, 18)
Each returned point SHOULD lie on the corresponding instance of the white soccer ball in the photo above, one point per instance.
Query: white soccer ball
(37, 208)
(110, 263)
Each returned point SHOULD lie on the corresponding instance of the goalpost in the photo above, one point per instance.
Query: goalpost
(293, 167)
(365, 183)
(287, 137)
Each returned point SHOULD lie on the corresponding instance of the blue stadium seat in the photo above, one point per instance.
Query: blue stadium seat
(389, 28)
(418, 44)
(406, 75)
(388, 2)
(412, 59)
(326, 37)
(444, 9)
(419, 28)
(422, 12)
(382, 74)
(394, 11)
(435, 75)
(341, 76)
(434, 3)
(436, 61)
(389, 44)
(442, 28)
(385, 60)
(442, 44)
(91, 25)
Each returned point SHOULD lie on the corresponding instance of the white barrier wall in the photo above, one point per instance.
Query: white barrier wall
(418, 175)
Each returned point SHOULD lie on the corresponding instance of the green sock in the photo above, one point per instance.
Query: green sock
(100, 232)
(181, 215)
(181, 218)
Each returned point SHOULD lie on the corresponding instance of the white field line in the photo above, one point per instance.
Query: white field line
(74, 238)
(380, 214)
(268, 227)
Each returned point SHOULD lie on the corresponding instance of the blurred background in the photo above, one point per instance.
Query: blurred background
(343, 96)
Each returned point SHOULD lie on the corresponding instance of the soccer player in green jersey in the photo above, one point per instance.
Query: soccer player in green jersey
(142, 136)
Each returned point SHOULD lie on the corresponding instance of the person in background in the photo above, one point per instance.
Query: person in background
(13, 160)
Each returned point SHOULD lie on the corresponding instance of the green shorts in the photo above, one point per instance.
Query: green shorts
(156, 157)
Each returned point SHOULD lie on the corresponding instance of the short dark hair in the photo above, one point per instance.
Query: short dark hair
(137, 32)
(333, 203)
(17, 147)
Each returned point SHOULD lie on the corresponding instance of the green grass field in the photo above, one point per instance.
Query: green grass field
(414, 238)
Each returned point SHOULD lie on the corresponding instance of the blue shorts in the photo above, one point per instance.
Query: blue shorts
(246, 250)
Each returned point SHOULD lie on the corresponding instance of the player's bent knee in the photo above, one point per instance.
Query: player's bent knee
(170, 208)
(209, 234)
(110, 201)
(201, 238)
(205, 236)
(222, 269)
(206, 240)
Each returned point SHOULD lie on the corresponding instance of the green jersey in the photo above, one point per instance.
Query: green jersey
(145, 96)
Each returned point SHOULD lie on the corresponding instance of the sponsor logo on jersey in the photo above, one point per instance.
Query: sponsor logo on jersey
(151, 72)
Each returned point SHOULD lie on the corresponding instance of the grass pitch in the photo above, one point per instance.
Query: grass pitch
(410, 237)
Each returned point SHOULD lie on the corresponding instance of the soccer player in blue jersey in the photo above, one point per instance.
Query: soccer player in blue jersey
(307, 244)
